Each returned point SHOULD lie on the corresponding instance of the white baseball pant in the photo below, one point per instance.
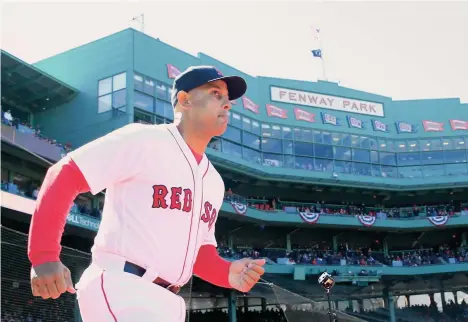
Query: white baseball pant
(106, 293)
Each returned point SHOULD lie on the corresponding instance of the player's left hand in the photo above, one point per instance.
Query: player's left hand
(245, 273)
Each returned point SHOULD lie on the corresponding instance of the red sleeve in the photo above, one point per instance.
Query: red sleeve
(63, 182)
(210, 267)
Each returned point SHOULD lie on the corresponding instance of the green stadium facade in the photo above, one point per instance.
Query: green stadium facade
(294, 139)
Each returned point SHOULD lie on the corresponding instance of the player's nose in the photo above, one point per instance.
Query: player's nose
(227, 106)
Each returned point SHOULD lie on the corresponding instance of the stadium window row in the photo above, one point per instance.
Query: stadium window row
(112, 93)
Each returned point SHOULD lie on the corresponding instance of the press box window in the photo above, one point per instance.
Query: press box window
(112, 93)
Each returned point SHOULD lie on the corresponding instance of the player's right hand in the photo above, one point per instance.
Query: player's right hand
(50, 280)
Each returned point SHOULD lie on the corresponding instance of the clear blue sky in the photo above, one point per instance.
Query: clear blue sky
(402, 50)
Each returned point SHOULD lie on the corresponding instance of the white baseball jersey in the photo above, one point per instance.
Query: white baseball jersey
(161, 206)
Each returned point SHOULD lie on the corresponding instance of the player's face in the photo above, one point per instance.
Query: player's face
(210, 107)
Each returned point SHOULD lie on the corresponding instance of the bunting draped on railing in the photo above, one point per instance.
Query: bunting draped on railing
(239, 208)
(309, 217)
(367, 220)
(438, 220)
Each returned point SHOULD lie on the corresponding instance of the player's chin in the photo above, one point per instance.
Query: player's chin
(220, 129)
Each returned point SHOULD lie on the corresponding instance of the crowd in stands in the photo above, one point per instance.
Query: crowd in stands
(319, 207)
(9, 119)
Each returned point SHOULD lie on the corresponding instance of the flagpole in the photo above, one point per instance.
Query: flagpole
(323, 60)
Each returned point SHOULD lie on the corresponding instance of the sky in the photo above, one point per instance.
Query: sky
(403, 50)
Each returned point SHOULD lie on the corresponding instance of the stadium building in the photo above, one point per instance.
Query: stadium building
(318, 177)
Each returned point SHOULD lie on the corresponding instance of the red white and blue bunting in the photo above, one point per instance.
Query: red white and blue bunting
(367, 220)
(438, 220)
(239, 208)
(309, 217)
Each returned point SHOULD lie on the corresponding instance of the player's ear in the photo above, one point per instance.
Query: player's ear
(183, 99)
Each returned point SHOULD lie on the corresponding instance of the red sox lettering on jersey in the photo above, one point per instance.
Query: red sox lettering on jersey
(174, 200)
(181, 199)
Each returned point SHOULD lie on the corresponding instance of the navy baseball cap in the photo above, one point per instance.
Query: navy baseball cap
(199, 75)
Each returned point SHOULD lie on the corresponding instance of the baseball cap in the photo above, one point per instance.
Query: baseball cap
(196, 76)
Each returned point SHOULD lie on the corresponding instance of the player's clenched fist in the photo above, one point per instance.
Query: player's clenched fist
(50, 280)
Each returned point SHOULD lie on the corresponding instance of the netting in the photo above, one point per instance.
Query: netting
(18, 303)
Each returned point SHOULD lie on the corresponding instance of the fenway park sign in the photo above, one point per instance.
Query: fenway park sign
(296, 97)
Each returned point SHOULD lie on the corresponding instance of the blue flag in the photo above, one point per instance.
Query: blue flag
(317, 53)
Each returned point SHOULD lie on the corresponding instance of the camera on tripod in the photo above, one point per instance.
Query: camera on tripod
(327, 281)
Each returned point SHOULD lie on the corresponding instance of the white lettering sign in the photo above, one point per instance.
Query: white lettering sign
(291, 96)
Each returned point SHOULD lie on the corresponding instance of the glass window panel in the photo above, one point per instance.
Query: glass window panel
(308, 135)
(318, 137)
(391, 146)
(160, 107)
(425, 145)
(341, 153)
(138, 82)
(374, 156)
(168, 110)
(215, 144)
(432, 157)
(271, 145)
(364, 142)
(288, 147)
(343, 167)
(323, 165)
(373, 145)
(376, 171)
(105, 103)
(336, 138)
(144, 102)
(303, 148)
(298, 134)
(160, 120)
(304, 163)
(387, 158)
(105, 86)
(327, 138)
(232, 134)
(411, 158)
(142, 117)
(361, 155)
(246, 124)
(346, 140)
(266, 130)
(232, 149)
(255, 127)
(161, 91)
(355, 141)
(324, 151)
(236, 120)
(250, 140)
(447, 143)
(413, 145)
(401, 146)
(276, 131)
(456, 169)
(409, 172)
(436, 144)
(273, 160)
(455, 156)
(458, 143)
(119, 98)
(361, 169)
(119, 82)
(289, 161)
(287, 133)
(252, 156)
(149, 86)
(433, 170)
(382, 145)
(389, 171)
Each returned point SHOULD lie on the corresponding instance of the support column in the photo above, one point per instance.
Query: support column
(455, 297)
(350, 305)
(390, 304)
(231, 242)
(361, 305)
(432, 300)
(335, 243)
(408, 303)
(246, 304)
(442, 298)
(232, 301)
(288, 242)
(336, 305)
(463, 239)
(385, 246)
(264, 306)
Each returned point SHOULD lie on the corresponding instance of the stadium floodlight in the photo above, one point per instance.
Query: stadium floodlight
(327, 282)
